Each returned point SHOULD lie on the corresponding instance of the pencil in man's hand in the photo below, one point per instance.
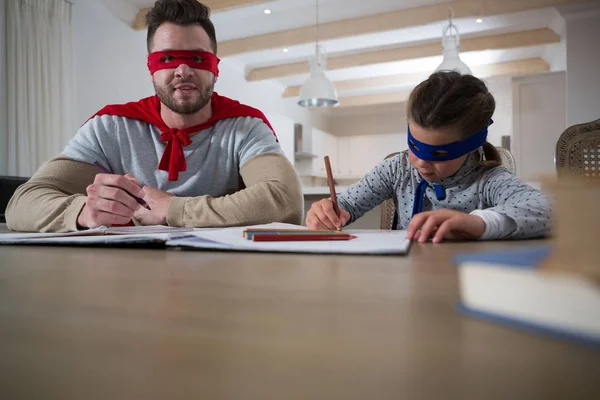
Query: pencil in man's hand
(142, 202)
(336, 208)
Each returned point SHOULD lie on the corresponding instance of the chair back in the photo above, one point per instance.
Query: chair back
(578, 151)
(388, 209)
(8, 185)
(508, 160)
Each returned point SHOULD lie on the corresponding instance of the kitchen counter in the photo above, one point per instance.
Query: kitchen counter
(321, 190)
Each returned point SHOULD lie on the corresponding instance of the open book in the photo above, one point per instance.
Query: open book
(100, 235)
(366, 241)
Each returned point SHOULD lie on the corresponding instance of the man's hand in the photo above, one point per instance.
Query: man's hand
(321, 216)
(109, 201)
(158, 201)
(445, 224)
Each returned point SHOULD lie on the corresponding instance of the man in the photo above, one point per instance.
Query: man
(196, 158)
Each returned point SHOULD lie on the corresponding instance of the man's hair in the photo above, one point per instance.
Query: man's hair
(450, 100)
(180, 12)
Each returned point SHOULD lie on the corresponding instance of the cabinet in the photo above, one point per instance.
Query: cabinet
(324, 144)
(345, 157)
(351, 156)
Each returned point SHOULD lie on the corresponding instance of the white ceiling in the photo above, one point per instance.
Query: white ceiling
(289, 14)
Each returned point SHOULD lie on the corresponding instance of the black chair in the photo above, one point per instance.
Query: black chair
(8, 185)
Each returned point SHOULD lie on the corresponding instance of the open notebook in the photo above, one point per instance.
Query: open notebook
(366, 241)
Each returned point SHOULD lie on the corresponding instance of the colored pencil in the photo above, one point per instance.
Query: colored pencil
(251, 232)
(336, 207)
(140, 201)
(267, 237)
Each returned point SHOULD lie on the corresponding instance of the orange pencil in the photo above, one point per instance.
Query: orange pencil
(336, 208)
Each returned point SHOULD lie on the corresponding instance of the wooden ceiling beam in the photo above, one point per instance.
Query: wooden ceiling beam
(382, 22)
(510, 68)
(373, 99)
(139, 22)
(536, 37)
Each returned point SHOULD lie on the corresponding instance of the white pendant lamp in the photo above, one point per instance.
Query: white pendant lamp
(451, 45)
(318, 90)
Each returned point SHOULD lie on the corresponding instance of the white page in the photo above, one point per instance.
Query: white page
(367, 242)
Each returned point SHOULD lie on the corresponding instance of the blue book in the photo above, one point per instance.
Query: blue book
(510, 288)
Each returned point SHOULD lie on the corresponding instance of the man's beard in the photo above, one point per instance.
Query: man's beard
(165, 94)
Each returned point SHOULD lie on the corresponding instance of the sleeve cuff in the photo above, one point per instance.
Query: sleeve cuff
(497, 226)
(72, 213)
(176, 211)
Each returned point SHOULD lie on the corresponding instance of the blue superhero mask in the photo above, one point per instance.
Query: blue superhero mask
(447, 152)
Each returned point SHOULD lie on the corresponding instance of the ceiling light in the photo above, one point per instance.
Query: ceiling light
(318, 90)
(479, 20)
(267, 11)
(285, 50)
(451, 45)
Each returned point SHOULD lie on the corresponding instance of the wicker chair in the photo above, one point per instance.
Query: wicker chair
(508, 160)
(578, 151)
(388, 210)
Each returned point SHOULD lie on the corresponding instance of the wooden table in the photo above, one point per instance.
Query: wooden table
(96, 323)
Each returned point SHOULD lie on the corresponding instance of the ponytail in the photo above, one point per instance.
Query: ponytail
(492, 157)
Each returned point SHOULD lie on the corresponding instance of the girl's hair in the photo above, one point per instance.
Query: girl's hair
(461, 103)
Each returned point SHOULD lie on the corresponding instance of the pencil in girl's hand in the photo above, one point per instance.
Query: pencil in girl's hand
(142, 202)
(336, 208)
(268, 237)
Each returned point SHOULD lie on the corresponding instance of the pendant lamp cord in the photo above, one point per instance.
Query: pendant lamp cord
(317, 23)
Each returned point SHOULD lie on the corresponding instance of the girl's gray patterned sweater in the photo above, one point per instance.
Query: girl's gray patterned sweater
(473, 187)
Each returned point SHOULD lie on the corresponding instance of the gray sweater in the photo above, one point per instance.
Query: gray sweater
(473, 187)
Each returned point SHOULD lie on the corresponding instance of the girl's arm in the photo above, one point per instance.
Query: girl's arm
(375, 187)
(528, 209)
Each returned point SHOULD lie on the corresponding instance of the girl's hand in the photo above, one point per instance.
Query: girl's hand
(445, 224)
(321, 216)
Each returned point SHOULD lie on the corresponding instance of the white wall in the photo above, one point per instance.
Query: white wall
(539, 119)
(501, 88)
(583, 66)
(110, 60)
(3, 105)
(110, 64)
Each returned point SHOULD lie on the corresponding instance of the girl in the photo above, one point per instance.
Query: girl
(449, 183)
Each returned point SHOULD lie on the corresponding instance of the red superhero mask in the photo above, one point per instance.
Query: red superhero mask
(192, 58)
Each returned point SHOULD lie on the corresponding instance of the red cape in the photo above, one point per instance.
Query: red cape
(173, 159)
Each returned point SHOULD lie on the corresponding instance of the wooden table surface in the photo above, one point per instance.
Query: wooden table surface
(99, 323)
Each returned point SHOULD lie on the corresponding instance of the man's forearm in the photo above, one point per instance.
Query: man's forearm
(52, 199)
(273, 194)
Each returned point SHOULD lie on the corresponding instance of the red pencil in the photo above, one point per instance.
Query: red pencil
(267, 237)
